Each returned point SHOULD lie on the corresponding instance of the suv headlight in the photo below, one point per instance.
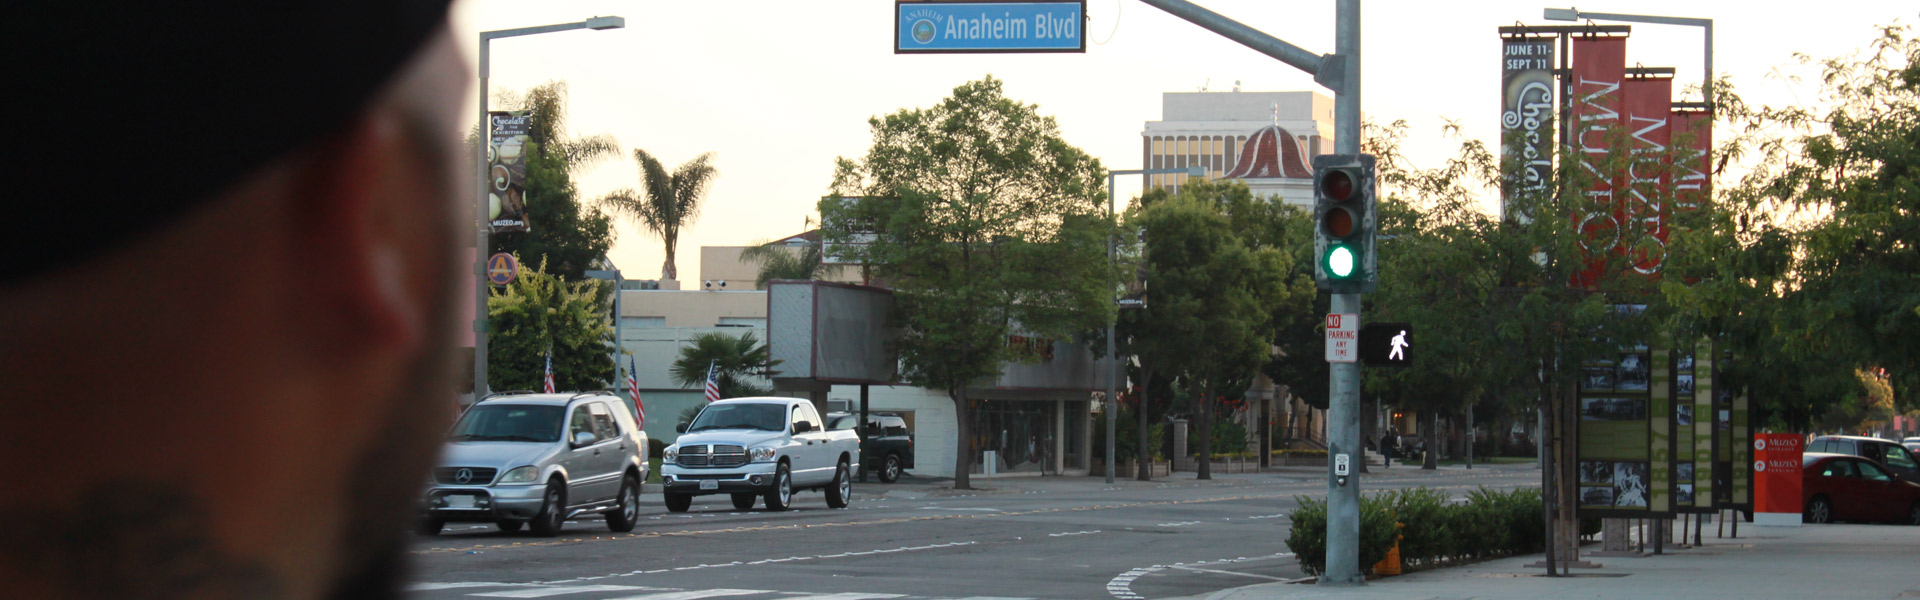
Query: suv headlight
(671, 454)
(527, 474)
(761, 454)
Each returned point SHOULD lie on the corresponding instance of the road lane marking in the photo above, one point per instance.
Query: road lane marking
(1073, 533)
(1121, 586)
(542, 592)
(695, 594)
(1178, 524)
(845, 596)
(429, 587)
(1220, 572)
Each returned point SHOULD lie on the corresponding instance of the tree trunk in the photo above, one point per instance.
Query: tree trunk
(1204, 416)
(1430, 459)
(667, 269)
(1143, 455)
(963, 458)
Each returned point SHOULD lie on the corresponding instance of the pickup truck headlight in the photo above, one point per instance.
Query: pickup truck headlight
(762, 454)
(671, 454)
(527, 474)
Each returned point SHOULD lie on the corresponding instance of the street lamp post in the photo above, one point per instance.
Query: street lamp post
(481, 218)
(1113, 362)
(1706, 86)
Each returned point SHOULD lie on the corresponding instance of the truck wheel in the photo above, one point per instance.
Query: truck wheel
(678, 502)
(429, 526)
(890, 469)
(743, 501)
(840, 494)
(553, 512)
(510, 526)
(623, 517)
(779, 497)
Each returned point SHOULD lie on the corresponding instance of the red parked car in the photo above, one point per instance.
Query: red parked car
(1841, 487)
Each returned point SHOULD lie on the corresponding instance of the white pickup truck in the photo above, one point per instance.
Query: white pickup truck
(759, 448)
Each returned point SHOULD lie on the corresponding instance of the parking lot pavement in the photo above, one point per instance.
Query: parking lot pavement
(1812, 561)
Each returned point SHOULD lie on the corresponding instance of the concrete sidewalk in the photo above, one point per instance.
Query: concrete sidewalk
(1814, 561)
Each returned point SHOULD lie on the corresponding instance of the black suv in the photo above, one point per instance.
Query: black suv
(885, 443)
(1890, 453)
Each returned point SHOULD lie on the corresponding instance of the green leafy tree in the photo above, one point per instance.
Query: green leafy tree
(561, 232)
(985, 222)
(736, 362)
(667, 202)
(1211, 296)
(538, 311)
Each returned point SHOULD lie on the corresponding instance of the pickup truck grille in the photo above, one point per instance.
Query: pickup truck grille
(714, 455)
(475, 475)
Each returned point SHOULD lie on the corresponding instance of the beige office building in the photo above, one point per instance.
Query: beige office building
(1270, 136)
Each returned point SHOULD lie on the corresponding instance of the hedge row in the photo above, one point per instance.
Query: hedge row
(1430, 529)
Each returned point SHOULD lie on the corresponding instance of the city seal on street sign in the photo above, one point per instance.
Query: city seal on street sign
(1386, 344)
(502, 268)
(989, 26)
(1343, 332)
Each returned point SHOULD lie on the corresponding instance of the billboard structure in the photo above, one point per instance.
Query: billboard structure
(507, 153)
(830, 332)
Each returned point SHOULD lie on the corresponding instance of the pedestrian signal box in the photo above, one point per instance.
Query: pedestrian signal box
(1386, 344)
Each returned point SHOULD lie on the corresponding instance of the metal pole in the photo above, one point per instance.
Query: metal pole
(483, 220)
(1343, 410)
(862, 428)
(1113, 363)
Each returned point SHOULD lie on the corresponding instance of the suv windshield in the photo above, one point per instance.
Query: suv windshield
(508, 423)
(769, 417)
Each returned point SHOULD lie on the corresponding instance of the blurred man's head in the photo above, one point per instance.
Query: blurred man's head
(226, 316)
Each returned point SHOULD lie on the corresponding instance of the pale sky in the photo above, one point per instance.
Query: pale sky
(776, 89)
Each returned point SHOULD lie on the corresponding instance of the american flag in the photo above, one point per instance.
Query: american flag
(633, 387)
(713, 381)
(549, 369)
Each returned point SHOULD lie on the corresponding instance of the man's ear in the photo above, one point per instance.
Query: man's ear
(363, 245)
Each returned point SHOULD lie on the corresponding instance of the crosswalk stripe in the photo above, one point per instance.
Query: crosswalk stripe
(542, 592)
(694, 594)
(844, 596)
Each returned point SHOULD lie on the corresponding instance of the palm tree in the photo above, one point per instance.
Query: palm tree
(779, 261)
(734, 360)
(670, 200)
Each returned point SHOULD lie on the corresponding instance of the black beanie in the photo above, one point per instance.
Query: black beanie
(129, 114)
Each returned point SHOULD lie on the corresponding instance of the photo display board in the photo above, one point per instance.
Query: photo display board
(1692, 429)
(1733, 441)
(1625, 436)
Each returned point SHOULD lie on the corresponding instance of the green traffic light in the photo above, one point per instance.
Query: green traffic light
(1340, 262)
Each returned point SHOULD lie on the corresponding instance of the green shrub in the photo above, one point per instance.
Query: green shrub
(1229, 436)
(1300, 452)
(1307, 538)
(1430, 528)
(1430, 523)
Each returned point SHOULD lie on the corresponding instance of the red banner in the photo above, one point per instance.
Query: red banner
(1776, 474)
(1599, 70)
(1693, 168)
(1649, 110)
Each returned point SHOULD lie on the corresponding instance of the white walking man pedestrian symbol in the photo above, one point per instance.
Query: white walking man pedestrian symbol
(1400, 344)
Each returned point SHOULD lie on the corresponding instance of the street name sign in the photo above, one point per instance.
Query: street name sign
(1343, 337)
(1386, 344)
(992, 26)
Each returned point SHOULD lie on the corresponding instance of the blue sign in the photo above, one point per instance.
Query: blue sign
(502, 268)
(960, 27)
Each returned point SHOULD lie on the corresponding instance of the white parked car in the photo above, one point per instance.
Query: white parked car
(759, 448)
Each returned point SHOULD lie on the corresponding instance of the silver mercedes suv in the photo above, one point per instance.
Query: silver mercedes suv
(536, 460)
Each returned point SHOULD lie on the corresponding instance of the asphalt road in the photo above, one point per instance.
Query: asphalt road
(1054, 537)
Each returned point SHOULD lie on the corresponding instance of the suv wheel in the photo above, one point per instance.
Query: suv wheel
(677, 502)
(841, 492)
(743, 501)
(890, 469)
(1820, 510)
(623, 517)
(429, 526)
(510, 526)
(782, 492)
(553, 512)
(1913, 514)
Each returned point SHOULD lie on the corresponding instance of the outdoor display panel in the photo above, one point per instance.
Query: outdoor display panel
(1733, 442)
(1624, 443)
(1693, 432)
(507, 149)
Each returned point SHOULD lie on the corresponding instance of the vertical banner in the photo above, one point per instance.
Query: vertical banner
(1599, 70)
(507, 150)
(1526, 119)
(1776, 478)
(1648, 104)
(1693, 160)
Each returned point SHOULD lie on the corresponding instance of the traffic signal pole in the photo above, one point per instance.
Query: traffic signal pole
(1340, 73)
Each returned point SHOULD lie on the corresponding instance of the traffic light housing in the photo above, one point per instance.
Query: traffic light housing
(1344, 224)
